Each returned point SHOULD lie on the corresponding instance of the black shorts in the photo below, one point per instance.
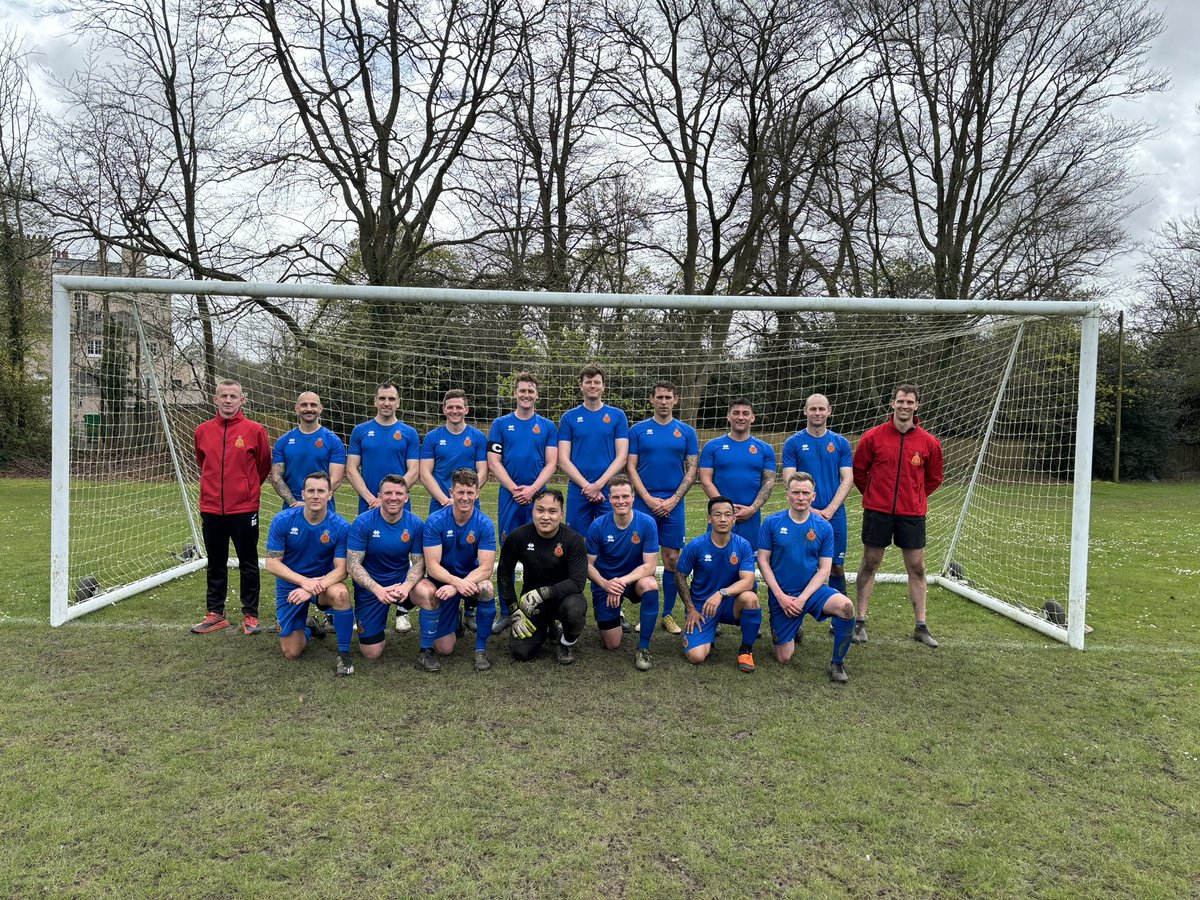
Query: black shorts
(881, 529)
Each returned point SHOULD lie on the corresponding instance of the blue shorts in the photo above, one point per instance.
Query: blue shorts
(511, 515)
(370, 614)
(707, 632)
(582, 512)
(291, 616)
(671, 529)
(840, 536)
(610, 616)
(784, 627)
(449, 613)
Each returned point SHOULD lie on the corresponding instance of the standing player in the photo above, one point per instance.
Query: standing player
(741, 467)
(827, 456)
(716, 582)
(309, 447)
(795, 555)
(663, 458)
(593, 444)
(306, 552)
(234, 456)
(455, 445)
(382, 446)
(522, 455)
(622, 549)
(384, 557)
(554, 561)
(460, 548)
(897, 465)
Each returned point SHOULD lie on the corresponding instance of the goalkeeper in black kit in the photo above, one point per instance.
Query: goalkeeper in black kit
(553, 558)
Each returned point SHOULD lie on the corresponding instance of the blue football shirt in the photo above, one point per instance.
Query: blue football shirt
(460, 543)
(386, 545)
(796, 548)
(618, 551)
(662, 452)
(712, 568)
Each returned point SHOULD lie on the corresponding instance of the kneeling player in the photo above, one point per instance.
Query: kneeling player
(715, 578)
(622, 548)
(795, 555)
(460, 548)
(383, 554)
(306, 552)
(554, 562)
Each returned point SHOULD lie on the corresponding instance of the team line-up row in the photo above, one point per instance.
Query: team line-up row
(623, 510)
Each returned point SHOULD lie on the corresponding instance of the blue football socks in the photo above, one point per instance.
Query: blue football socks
(648, 618)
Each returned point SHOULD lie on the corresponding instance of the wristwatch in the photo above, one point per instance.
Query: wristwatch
(724, 592)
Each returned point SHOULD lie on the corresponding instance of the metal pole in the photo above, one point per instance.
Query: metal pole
(60, 456)
(1081, 507)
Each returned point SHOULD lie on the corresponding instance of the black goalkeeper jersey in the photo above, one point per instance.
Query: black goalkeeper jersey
(558, 562)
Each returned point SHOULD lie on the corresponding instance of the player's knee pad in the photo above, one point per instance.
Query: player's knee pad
(572, 611)
(525, 650)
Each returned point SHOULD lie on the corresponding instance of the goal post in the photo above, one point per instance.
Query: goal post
(1009, 388)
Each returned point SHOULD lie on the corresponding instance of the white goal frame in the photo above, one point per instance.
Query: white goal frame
(1086, 313)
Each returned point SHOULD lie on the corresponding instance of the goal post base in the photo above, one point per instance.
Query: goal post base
(63, 613)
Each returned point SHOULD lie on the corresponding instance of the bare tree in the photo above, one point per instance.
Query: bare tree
(22, 245)
(701, 87)
(1001, 109)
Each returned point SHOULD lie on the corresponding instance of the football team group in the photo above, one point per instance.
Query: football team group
(624, 510)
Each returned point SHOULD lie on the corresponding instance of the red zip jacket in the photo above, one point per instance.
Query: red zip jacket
(896, 472)
(235, 459)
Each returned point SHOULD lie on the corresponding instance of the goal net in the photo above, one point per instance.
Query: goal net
(1007, 388)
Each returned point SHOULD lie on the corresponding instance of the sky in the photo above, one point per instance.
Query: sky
(1167, 165)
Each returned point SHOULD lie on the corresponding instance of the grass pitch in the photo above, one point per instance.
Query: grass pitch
(139, 760)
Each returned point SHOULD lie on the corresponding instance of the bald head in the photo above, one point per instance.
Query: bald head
(816, 413)
(309, 409)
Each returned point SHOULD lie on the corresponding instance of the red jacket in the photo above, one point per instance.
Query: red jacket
(896, 472)
(235, 459)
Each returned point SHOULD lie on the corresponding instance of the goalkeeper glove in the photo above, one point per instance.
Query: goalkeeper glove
(522, 627)
(531, 601)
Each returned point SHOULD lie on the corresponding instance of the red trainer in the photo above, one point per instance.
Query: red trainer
(250, 625)
(212, 622)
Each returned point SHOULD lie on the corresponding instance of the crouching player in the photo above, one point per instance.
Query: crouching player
(306, 552)
(554, 563)
(622, 549)
(460, 548)
(383, 555)
(715, 578)
(795, 555)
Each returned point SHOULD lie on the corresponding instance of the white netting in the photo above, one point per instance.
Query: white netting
(128, 519)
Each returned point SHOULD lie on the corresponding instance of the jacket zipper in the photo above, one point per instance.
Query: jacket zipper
(899, 469)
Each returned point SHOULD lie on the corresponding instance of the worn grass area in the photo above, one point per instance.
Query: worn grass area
(138, 760)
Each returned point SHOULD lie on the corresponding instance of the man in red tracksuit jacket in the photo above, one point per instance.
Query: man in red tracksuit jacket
(897, 465)
(234, 456)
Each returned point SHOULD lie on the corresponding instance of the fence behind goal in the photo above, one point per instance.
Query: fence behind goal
(1008, 389)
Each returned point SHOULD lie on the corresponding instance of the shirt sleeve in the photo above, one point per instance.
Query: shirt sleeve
(708, 456)
(479, 440)
(356, 540)
(551, 434)
(487, 534)
(564, 429)
(693, 442)
(649, 532)
(766, 537)
(262, 457)
(768, 457)
(826, 548)
(622, 429)
(593, 539)
(277, 450)
(431, 537)
(686, 558)
(277, 535)
(790, 455)
(934, 468)
(634, 439)
(845, 455)
(339, 551)
(414, 445)
(355, 448)
(428, 446)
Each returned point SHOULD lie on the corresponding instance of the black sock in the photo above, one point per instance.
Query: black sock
(745, 648)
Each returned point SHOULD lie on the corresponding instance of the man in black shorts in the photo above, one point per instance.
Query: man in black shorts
(897, 465)
(553, 558)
